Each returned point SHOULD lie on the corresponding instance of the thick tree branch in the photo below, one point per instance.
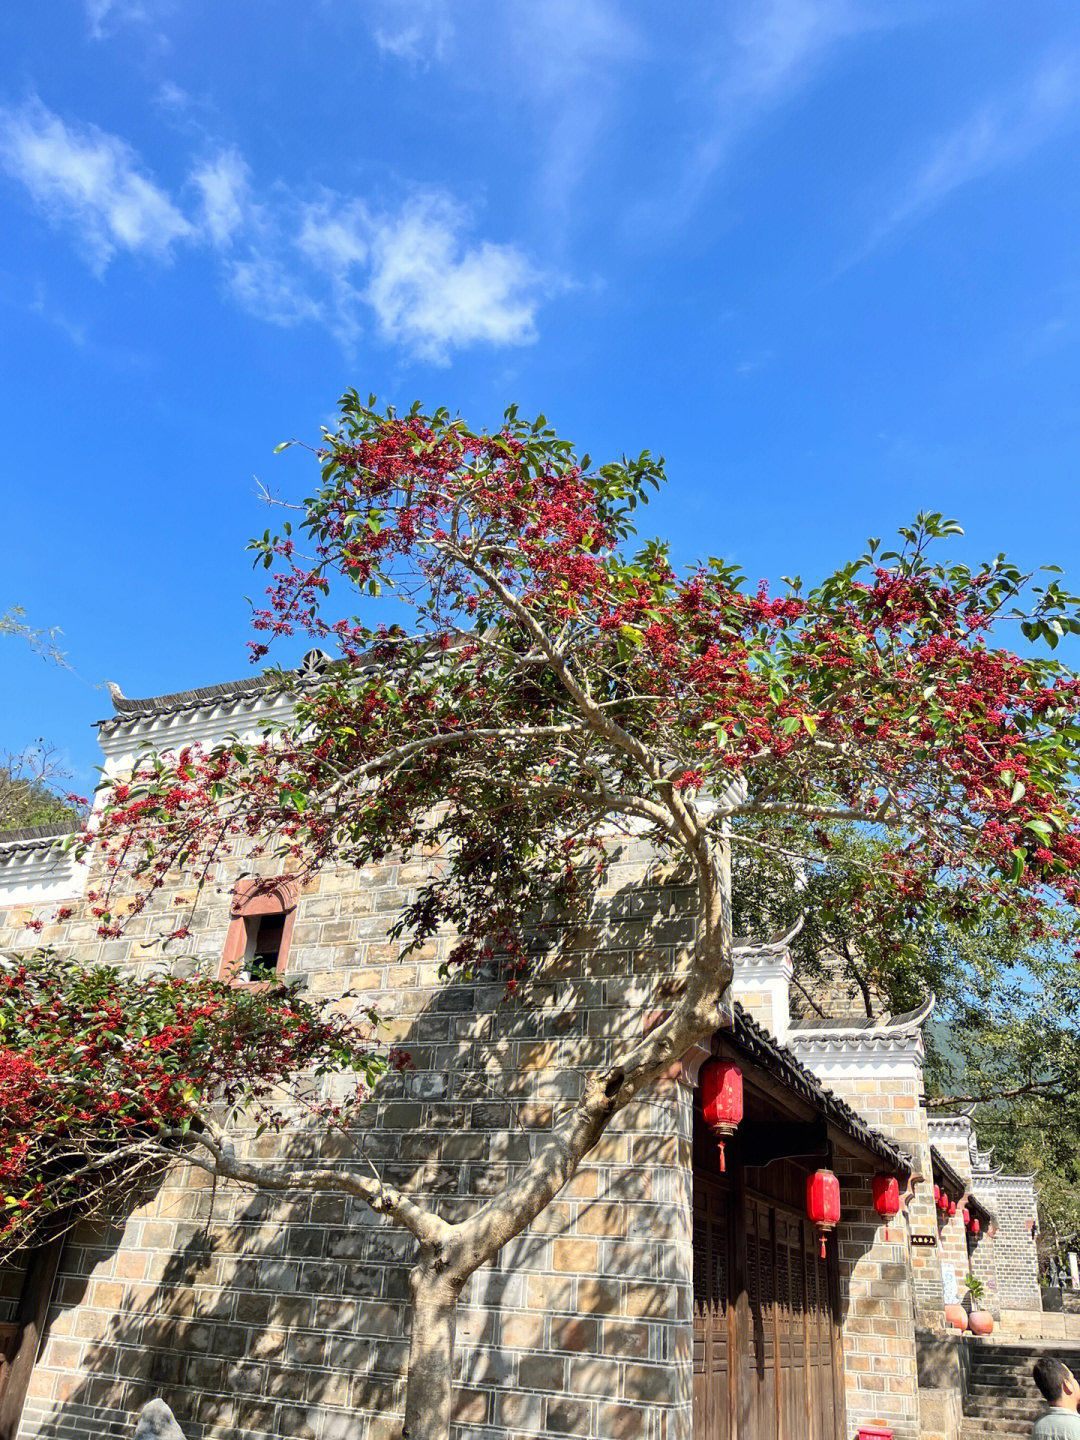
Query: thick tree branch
(220, 1160)
(1047, 1089)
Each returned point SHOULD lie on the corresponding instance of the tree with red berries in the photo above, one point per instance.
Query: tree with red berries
(103, 1076)
(553, 687)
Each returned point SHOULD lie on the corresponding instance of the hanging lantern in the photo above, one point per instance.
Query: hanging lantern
(952, 1208)
(975, 1225)
(886, 1198)
(937, 1196)
(966, 1213)
(823, 1202)
(721, 1099)
(943, 1203)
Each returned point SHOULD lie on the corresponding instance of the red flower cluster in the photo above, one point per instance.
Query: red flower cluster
(94, 1062)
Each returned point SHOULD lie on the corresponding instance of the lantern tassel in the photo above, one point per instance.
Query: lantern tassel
(823, 1247)
(886, 1234)
(723, 1165)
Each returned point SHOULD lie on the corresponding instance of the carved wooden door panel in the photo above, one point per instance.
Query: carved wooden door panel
(766, 1359)
(713, 1313)
(791, 1362)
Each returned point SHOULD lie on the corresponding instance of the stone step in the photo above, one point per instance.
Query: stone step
(1022, 1390)
(1016, 1415)
(1000, 1430)
(981, 1350)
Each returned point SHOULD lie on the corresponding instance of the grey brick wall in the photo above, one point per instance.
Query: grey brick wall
(1014, 1244)
(288, 1318)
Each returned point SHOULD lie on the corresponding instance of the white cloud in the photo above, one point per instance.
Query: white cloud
(90, 181)
(430, 289)
(413, 272)
(223, 185)
(266, 289)
(417, 31)
(1000, 133)
(762, 58)
(334, 234)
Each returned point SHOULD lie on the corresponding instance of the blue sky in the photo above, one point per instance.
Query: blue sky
(822, 254)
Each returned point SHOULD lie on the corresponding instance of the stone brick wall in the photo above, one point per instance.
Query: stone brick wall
(882, 1079)
(983, 1248)
(1015, 1245)
(952, 1138)
(288, 1317)
(877, 1304)
(11, 1281)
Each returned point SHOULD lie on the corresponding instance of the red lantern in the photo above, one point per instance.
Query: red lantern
(823, 1202)
(966, 1213)
(937, 1196)
(952, 1208)
(886, 1197)
(721, 1099)
(975, 1226)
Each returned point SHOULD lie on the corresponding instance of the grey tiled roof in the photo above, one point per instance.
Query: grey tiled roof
(182, 700)
(33, 837)
(863, 1022)
(227, 693)
(756, 1042)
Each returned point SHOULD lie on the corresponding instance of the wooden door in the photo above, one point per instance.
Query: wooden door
(766, 1338)
(714, 1316)
(791, 1361)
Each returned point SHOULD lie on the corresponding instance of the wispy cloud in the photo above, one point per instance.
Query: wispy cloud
(559, 63)
(417, 31)
(761, 58)
(1000, 133)
(104, 14)
(89, 181)
(414, 273)
(224, 185)
(575, 53)
(265, 288)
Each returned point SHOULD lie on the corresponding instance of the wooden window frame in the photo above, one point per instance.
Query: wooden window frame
(276, 895)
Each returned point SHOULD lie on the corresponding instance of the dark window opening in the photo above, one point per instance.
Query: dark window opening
(262, 952)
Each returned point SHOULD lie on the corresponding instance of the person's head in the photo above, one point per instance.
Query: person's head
(1057, 1383)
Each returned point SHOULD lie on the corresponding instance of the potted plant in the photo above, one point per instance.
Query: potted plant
(980, 1322)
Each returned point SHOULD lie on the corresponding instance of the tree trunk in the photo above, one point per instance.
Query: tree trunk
(429, 1387)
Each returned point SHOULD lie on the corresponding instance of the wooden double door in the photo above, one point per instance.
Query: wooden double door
(766, 1356)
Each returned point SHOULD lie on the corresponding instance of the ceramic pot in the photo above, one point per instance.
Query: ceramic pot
(980, 1322)
(956, 1316)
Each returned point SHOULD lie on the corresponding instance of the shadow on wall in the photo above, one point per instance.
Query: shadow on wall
(252, 1313)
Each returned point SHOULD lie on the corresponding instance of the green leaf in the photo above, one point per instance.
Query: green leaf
(283, 446)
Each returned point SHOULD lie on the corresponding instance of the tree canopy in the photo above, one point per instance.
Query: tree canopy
(869, 742)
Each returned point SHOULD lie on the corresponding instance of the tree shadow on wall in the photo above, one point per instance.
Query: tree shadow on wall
(277, 1317)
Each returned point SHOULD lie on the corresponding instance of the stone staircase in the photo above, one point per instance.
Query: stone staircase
(1002, 1402)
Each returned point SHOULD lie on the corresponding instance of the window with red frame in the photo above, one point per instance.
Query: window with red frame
(260, 931)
